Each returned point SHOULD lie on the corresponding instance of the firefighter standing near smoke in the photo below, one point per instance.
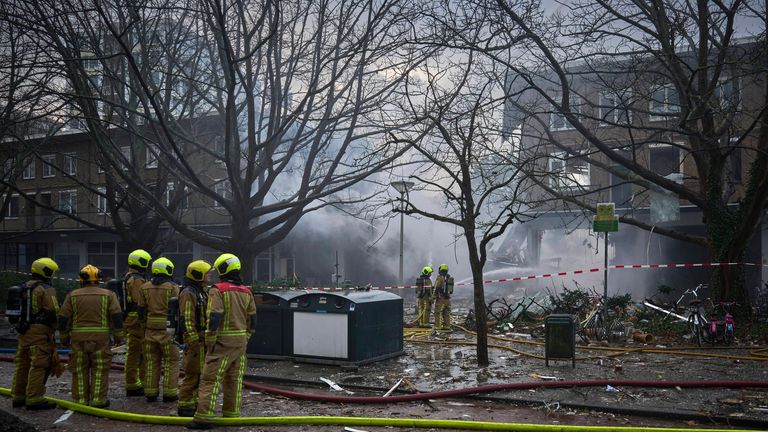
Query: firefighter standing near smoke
(84, 323)
(231, 321)
(161, 354)
(443, 291)
(192, 303)
(138, 261)
(426, 295)
(37, 311)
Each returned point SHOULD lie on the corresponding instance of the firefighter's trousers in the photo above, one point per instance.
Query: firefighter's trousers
(33, 362)
(425, 309)
(193, 360)
(134, 352)
(224, 369)
(161, 355)
(89, 363)
(442, 313)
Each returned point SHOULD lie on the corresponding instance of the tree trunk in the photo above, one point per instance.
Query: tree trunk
(727, 283)
(481, 315)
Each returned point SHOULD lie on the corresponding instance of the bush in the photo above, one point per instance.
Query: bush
(571, 301)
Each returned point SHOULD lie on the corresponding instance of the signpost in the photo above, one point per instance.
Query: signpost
(605, 221)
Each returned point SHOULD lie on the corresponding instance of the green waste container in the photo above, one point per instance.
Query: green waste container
(560, 338)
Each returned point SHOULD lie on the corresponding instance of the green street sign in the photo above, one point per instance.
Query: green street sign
(605, 225)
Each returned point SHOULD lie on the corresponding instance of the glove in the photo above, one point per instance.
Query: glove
(65, 341)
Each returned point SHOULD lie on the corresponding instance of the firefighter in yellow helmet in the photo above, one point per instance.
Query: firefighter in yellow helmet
(226, 337)
(161, 354)
(426, 295)
(192, 303)
(134, 278)
(443, 291)
(35, 326)
(87, 317)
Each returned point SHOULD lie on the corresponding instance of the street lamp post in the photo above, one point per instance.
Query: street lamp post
(402, 187)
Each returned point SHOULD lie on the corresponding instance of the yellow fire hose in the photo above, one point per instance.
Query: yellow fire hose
(359, 421)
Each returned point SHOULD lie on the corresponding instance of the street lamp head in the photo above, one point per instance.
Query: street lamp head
(402, 186)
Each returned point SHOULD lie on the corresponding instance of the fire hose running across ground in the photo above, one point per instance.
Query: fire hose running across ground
(360, 421)
(409, 423)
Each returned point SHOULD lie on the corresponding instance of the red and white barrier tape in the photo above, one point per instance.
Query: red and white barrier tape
(522, 278)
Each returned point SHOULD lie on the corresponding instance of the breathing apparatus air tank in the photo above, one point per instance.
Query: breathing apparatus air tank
(449, 284)
(19, 307)
(172, 320)
(117, 286)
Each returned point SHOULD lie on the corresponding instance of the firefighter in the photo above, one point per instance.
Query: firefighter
(36, 337)
(161, 354)
(192, 303)
(138, 261)
(443, 291)
(231, 321)
(84, 323)
(426, 296)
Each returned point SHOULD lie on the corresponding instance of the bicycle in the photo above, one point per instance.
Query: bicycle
(697, 322)
(722, 330)
(593, 326)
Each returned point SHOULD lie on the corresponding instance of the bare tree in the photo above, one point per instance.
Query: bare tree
(600, 84)
(476, 173)
(262, 111)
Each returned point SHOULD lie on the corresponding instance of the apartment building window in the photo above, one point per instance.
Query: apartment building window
(49, 164)
(727, 94)
(102, 255)
(101, 201)
(568, 172)
(29, 169)
(664, 101)
(70, 163)
(219, 150)
(224, 190)
(8, 168)
(664, 159)
(151, 156)
(12, 207)
(557, 120)
(614, 107)
(170, 190)
(68, 201)
(126, 152)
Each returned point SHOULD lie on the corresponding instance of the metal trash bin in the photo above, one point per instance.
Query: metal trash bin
(272, 338)
(349, 328)
(560, 338)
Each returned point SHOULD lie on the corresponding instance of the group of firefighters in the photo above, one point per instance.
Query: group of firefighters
(214, 323)
(438, 294)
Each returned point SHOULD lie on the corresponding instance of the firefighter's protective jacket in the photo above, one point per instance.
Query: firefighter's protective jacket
(89, 311)
(192, 304)
(235, 306)
(45, 307)
(133, 282)
(153, 303)
(440, 287)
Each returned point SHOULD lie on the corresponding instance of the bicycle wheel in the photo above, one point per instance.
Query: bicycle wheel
(695, 329)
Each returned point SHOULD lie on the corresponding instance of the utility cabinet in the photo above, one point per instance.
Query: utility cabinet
(560, 338)
(349, 328)
(273, 335)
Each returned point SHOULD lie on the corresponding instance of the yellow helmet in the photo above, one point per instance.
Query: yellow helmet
(426, 271)
(89, 275)
(44, 267)
(443, 268)
(226, 263)
(162, 266)
(196, 270)
(139, 258)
